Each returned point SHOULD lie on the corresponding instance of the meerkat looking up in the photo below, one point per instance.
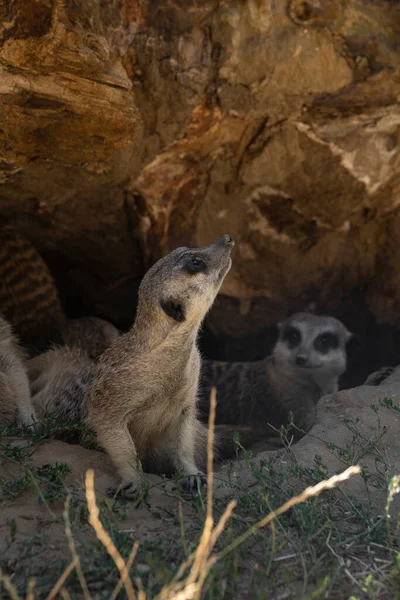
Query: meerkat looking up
(29, 300)
(306, 363)
(15, 400)
(141, 394)
(142, 398)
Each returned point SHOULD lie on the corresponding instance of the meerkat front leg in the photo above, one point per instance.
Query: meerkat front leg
(185, 450)
(116, 440)
(26, 412)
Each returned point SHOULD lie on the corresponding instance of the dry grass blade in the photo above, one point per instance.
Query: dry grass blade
(309, 492)
(204, 548)
(9, 586)
(64, 594)
(129, 563)
(30, 594)
(103, 536)
(62, 579)
(72, 548)
(191, 587)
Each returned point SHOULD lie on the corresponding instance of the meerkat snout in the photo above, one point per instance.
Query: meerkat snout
(301, 360)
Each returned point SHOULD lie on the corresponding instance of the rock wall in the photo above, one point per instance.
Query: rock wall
(130, 127)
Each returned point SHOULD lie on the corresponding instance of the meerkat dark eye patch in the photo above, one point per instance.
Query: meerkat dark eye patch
(174, 310)
(194, 264)
(326, 341)
(292, 336)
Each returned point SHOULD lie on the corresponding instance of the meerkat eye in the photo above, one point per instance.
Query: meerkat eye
(195, 264)
(292, 336)
(326, 341)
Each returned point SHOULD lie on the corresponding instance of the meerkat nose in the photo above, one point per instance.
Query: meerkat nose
(226, 240)
(301, 360)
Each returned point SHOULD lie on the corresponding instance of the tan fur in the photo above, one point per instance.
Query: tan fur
(142, 399)
(15, 400)
(58, 380)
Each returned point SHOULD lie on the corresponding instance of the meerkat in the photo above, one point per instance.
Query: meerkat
(256, 398)
(141, 395)
(378, 377)
(15, 399)
(29, 300)
(28, 296)
(58, 380)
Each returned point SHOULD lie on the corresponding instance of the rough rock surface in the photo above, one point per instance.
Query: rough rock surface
(354, 426)
(131, 127)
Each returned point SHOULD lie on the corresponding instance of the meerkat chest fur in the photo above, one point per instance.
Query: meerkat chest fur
(149, 388)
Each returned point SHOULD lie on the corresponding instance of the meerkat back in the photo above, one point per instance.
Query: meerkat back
(28, 296)
(15, 400)
(91, 334)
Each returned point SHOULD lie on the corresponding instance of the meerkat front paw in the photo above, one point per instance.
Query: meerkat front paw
(191, 483)
(131, 490)
(379, 376)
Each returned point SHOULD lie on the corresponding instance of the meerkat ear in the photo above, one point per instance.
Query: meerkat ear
(173, 309)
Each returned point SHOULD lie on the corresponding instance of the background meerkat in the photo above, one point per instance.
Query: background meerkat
(305, 364)
(90, 334)
(141, 400)
(29, 300)
(58, 379)
(379, 376)
(28, 296)
(15, 399)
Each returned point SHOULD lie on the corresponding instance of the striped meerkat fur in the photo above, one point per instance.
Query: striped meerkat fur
(28, 296)
(29, 300)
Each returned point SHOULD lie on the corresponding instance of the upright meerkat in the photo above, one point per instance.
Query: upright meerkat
(305, 364)
(29, 300)
(141, 394)
(15, 399)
